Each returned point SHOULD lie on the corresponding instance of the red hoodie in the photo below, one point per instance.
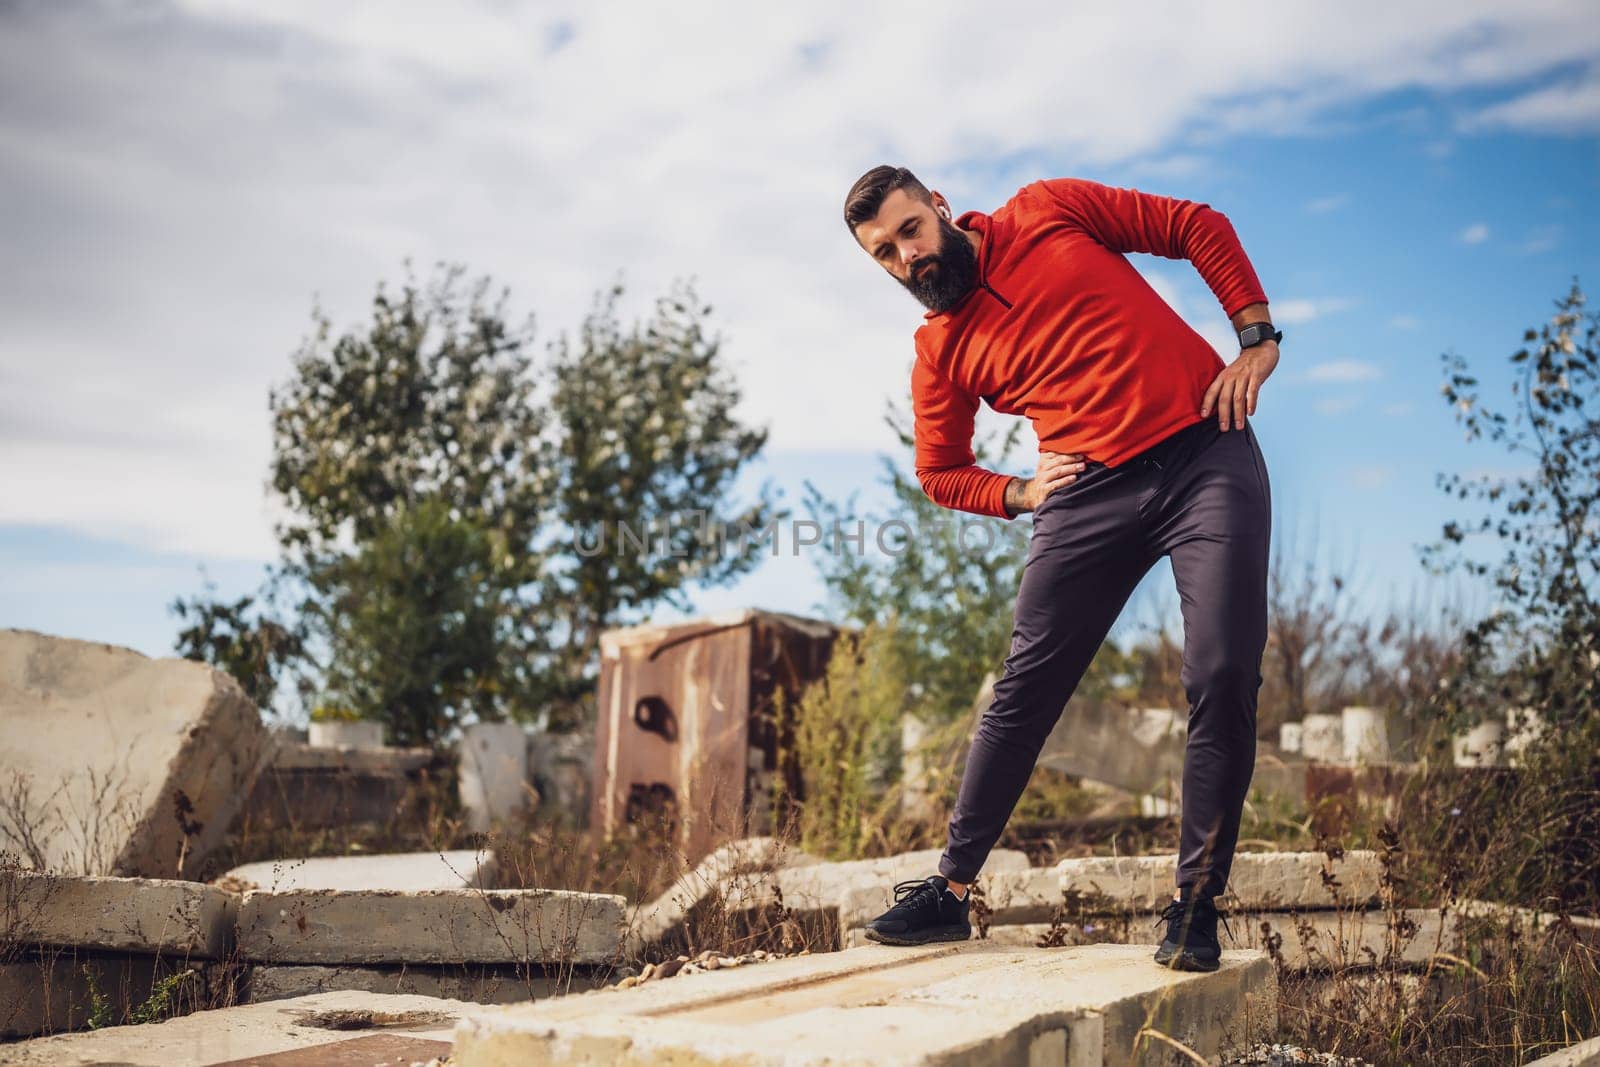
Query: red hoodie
(1062, 329)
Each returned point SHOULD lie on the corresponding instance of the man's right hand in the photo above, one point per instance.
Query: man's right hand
(1056, 469)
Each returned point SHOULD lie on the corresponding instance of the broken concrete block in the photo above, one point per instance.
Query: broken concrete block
(740, 871)
(398, 1029)
(953, 1005)
(399, 871)
(1583, 1054)
(478, 983)
(1257, 881)
(115, 763)
(151, 916)
(431, 926)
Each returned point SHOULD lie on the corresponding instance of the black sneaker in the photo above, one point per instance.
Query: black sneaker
(1191, 940)
(923, 911)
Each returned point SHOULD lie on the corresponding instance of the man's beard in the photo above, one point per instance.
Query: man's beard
(953, 274)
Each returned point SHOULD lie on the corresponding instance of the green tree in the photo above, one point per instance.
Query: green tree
(1542, 643)
(1539, 532)
(648, 452)
(415, 617)
(434, 400)
(428, 439)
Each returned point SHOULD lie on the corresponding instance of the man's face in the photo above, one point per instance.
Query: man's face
(922, 250)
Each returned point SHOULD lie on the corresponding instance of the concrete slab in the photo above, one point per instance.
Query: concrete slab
(118, 763)
(479, 983)
(1307, 942)
(432, 926)
(1141, 884)
(1258, 881)
(143, 915)
(400, 871)
(307, 788)
(953, 1005)
(253, 1031)
(57, 992)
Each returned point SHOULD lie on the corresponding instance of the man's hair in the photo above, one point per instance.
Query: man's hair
(868, 193)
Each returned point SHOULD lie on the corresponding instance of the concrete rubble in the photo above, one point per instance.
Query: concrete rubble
(115, 763)
(951, 1004)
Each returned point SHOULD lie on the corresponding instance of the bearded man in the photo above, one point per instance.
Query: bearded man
(1145, 451)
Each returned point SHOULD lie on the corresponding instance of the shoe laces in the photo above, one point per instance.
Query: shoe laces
(910, 894)
(1177, 909)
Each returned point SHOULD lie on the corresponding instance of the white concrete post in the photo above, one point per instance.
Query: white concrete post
(1322, 737)
(1480, 746)
(1366, 735)
(493, 765)
(1289, 737)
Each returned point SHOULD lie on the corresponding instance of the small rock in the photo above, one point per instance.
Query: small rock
(712, 963)
(628, 982)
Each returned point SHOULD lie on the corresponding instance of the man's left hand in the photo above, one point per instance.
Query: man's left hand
(1233, 394)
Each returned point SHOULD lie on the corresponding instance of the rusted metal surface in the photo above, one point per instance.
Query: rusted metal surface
(686, 727)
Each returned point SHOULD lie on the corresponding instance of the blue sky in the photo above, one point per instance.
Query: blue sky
(1430, 190)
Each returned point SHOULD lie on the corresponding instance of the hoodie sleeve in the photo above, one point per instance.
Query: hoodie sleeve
(1127, 220)
(946, 468)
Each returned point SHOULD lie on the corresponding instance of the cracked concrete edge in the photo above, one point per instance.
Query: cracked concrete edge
(152, 916)
(549, 926)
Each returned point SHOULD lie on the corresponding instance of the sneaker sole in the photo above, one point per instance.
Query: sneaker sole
(937, 933)
(1185, 961)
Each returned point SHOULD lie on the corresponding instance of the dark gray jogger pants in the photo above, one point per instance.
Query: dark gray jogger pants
(1200, 496)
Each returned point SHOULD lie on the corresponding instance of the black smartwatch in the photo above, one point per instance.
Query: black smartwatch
(1257, 332)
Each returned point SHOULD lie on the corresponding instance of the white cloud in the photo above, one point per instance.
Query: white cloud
(165, 244)
(1299, 311)
(1342, 371)
(1335, 405)
(1323, 205)
(1475, 234)
(1570, 107)
(1404, 322)
(1374, 476)
(1541, 239)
